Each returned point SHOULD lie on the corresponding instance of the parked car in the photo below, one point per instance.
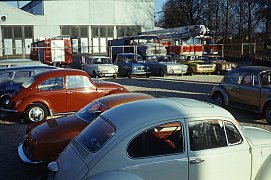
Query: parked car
(18, 62)
(196, 66)
(131, 64)
(222, 66)
(166, 138)
(45, 140)
(11, 78)
(179, 58)
(247, 87)
(57, 91)
(162, 65)
(100, 66)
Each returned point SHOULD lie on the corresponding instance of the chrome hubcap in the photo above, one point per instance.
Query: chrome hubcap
(36, 114)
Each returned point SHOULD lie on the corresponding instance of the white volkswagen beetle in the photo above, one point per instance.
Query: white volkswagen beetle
(166, 138)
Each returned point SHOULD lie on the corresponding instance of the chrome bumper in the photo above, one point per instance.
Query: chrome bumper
(23, 156)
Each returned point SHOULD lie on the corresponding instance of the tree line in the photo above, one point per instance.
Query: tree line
(230, 21)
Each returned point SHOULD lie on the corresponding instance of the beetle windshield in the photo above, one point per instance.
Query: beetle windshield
(91, 111)
(102, 61)
(28, 82)
(96, 134)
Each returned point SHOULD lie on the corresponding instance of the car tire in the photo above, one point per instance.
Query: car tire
(268, 113)
(129, 74)
(115, 76)
(161, 73)
(190, 71)
(35, 113)
(218, 99)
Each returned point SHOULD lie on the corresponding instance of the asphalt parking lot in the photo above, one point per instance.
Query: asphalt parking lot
(12, 129)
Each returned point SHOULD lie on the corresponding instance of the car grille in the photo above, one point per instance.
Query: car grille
(140, 69)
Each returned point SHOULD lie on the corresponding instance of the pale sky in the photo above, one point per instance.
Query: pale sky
(158, 4)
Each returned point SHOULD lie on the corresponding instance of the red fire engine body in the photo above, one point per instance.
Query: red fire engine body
(186, 40)
(55, 50)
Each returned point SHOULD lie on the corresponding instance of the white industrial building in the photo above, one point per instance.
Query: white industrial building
(90, 23)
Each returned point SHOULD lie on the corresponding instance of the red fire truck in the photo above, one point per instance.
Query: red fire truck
(54, 51)
(186, 40)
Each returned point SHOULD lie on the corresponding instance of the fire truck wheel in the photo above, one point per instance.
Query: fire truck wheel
(36, 112)
(161, 73)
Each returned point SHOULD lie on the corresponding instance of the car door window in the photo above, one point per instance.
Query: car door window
(207, 134)
(55, 83)
(21, 77)
(164, 139)
(232, 78)
(232, 133)
(248, 79)
(78, 81)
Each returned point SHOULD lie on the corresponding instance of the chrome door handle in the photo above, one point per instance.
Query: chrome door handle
(69, 92)
(196, 161)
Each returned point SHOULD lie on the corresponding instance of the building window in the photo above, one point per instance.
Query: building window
(65, 31)
(28, 32)
(95, 32)
(110, 31)
(75, 32)
(127, 30)
(17, 32)
(84, 31)
(7, 32)
(103, 31)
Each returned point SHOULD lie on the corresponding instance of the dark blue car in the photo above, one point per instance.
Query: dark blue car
(131, 64)
(12, 77)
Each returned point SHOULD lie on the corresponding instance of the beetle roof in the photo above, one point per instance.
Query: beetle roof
(153, 111)
(116, 99)
(252, 69)
(61, 72)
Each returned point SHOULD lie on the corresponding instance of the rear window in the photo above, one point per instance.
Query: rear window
(96, 134)
(91, 111)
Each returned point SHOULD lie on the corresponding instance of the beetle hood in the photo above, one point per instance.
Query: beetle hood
(56, 127)
(257, 136)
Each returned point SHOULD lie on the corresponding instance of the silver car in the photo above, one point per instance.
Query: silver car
(166, 138)
(162, 65)
(100, 66)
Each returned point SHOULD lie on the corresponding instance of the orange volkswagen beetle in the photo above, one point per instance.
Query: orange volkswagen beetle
(45, 140)
(57, 91)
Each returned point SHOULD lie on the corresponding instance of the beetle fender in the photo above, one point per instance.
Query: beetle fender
(114, 175)
(222, 91)
(265, 171)
(27, 101)
(262, 106)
